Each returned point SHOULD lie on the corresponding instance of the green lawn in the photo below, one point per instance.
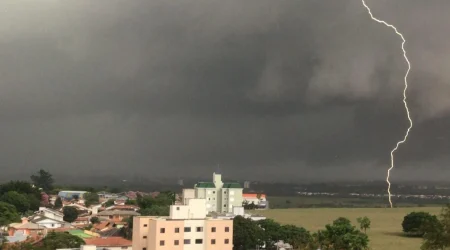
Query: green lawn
(385, 232)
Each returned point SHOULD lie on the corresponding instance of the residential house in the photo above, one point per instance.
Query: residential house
(116, 215)
(50, 213)
(46, 222)
(187, 227)
(26, 229)
(220, 197)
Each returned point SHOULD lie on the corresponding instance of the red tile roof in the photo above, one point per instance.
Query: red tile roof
(253, 196)
(108, 242)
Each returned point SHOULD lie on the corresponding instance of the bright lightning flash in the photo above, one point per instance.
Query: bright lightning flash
(404, 96)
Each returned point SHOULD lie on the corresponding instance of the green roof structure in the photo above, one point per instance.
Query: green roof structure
(205, 185)
(80, 233)
(232, 185)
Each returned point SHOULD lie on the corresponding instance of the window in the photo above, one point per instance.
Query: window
(176, 242)
(177, 230)
(178, 208)
(198, 241)
(214, 192)
(225, 192)
(199, 229)
(162, 230)
(187, 241)
(144, 248)
(53, 225)
(227, 241)
(145, 237)
(187, 229)
(145, 225)
(213, 229)
(225, 205)
(161, 243)
(213, 241)
(227, 229)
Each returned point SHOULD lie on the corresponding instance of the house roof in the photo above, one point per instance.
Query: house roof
(108, 242)
(232, 185)
(118, 212)
(253, 196)
(39, 218)
(27, 225)
(103, 225)
(205, 185)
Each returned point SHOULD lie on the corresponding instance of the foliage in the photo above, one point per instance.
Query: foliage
(95, 220)
(43, 179)
(163, 199)
(18, 200)
(364, 223)
(437, 232)
(91, 199)
(155, 210)
(58, 203)
(131, 202)
(414, 222)
(272, 231)
(70, 214)
(8, 214)
(246, 233)
(20, 187)
(298, 237)
(44, 199)
(55, 240)
(341, 235)
(109, 203)
(249, 206)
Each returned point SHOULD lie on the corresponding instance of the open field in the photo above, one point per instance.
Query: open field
(340, 202)
(385, 232)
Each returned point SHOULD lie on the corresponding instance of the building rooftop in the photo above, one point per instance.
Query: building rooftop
(231, 185)
(108, 242)
(118, 212)
(205, 185)
(253, 196)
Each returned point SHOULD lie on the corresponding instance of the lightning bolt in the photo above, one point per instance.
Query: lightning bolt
(404, 96)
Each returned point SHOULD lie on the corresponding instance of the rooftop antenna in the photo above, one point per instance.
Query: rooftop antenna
(218, 168)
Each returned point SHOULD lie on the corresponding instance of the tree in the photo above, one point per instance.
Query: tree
(19, 201)
(8, 214)
(95, 220)
(130, 202)
(414, 222)
(58, 203)
(43, 179)
(44, 199)
(55, 240)
(246, 233)
(298, 237)
(272, 231)
(155, 210)
(20, 187)
(342, 235)
(109, 203)
(91, 199)
(70, 214)
(364, 223)
(437, 232)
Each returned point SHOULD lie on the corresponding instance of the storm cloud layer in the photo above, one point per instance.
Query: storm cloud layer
(267, 89)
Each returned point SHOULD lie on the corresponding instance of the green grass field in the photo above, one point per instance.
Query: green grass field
(385, 232)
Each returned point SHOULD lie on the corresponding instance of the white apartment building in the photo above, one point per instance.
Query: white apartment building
(220, 197)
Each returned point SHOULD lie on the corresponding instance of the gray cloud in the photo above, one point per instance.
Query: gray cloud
(306, 88)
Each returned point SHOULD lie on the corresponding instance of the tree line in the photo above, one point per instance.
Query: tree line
(341, 234)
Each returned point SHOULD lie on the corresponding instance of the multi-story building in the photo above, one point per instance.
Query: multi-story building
(187, 228)
(220, 197)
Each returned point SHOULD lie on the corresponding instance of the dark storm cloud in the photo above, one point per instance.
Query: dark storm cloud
(299, 88)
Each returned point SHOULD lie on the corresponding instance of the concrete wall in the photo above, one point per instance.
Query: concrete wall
(219, 236)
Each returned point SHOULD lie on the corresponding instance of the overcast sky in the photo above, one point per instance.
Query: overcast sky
(289, 89)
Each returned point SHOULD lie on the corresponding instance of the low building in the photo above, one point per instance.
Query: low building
(258, 199)
(116, 215)
(50, 213)
(69, 195)
(187, 227)
(46, 222)
(24, 229)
